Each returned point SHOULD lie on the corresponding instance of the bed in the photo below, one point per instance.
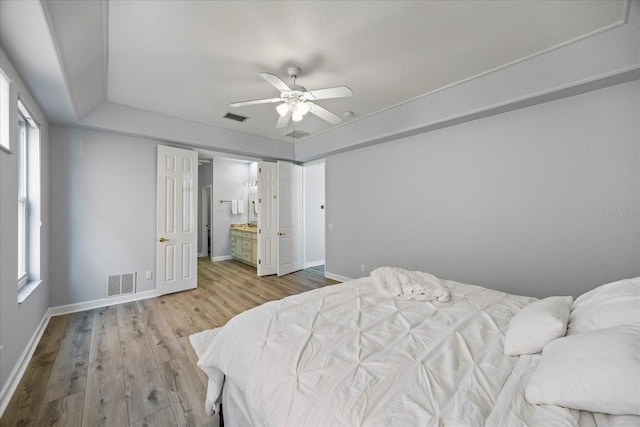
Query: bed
(363, 353)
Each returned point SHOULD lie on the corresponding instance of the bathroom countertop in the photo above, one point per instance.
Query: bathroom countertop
(245, 227)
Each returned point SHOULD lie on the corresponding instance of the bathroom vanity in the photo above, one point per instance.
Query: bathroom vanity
(244, 243)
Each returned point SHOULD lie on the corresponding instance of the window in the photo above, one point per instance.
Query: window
(4, 112)
(23, 209)
(28, 152)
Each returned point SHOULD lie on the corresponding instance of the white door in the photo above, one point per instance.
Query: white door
(290, 249)
(267, 219)
(177, 230)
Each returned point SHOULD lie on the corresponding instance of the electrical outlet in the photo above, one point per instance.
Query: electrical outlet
(147, 275)
(362, 268)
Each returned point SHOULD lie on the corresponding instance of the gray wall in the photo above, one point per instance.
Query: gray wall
(103, 212)
(539, 201)
(18, 322)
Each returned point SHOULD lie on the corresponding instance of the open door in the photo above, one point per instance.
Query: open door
(290, 249)
(267, 219)
(177, 229)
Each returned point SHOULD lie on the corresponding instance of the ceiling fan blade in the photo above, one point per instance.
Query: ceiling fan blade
(324, 114)
(255, 102)
(275, 82)
(330, 92)
(283, 121)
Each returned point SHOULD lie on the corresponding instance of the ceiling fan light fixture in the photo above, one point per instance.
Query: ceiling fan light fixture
(293, 99)
(302, 108)
(283, 109)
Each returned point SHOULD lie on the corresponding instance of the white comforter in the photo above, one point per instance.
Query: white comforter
(344, 355)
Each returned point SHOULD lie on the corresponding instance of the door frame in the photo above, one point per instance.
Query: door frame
(206, 193)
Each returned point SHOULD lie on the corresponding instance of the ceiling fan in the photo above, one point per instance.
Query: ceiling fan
(296, 100)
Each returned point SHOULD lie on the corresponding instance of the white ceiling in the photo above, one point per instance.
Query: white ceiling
(190, 59)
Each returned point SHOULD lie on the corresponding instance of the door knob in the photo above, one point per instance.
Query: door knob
(163, 239)
(280, 234)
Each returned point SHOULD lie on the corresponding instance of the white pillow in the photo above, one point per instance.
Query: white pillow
(537, 324)
(596, 371)
(606, 306)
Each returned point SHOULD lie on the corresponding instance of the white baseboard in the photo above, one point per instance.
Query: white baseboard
(88, 305)
(221, 258)
(20, 367)
(200, 254)
(313, 264)
(336, 277)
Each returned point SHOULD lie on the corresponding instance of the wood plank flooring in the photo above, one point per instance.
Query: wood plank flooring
(132, 364)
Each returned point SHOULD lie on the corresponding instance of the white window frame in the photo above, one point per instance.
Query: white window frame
(23, 203)
(29, 177)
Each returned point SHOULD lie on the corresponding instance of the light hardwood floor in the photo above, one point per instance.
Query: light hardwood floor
(132, 364)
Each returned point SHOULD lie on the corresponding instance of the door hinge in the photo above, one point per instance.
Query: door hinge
(259, 231)
(260, 261)
(260, 200)
(260, 170)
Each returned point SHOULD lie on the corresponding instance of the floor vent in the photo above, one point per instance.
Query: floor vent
(121, 284)
(236, 117)
(297, 134)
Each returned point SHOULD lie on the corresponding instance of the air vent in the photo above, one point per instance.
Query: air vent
(297, 134)
(120, 284)
(128, 283)
(236, 117)
(113, 285)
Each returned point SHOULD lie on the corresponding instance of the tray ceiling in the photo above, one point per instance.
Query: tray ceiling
(190, 59)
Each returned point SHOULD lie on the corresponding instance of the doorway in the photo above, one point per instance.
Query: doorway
(224, 178)
(314, 214)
